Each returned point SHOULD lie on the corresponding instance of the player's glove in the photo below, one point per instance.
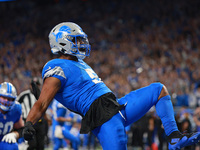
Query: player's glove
(28, 131)
(10, 138)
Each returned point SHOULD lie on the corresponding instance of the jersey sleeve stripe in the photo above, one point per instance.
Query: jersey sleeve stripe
(55, 71)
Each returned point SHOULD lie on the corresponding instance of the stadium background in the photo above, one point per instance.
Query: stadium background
(134, 43)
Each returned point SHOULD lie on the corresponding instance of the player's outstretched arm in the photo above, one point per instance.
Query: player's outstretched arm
(50, 87)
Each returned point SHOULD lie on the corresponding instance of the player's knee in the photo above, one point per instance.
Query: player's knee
(162, 90)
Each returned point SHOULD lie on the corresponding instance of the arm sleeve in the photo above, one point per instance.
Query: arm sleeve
(18, 112)
(53, 70)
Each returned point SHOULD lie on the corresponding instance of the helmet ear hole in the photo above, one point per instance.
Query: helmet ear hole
(63, 44)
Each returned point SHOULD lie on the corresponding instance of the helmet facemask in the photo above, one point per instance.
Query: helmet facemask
(80, 46)
(6, 105)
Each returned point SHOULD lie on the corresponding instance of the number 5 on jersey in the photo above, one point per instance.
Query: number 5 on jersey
(93, 76)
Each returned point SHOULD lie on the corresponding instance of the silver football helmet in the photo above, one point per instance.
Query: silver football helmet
(7, 90)
(69, 38)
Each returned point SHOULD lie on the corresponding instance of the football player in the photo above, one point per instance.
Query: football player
(11, 122)
(75, 85)
(60, 131)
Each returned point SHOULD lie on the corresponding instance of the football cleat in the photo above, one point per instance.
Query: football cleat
(177, 140)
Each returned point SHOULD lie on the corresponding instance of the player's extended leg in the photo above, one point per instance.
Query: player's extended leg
(141, 100)
(57, 143)
(74, 140)
(112, 134)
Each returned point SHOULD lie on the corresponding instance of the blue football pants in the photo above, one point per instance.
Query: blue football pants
(8, 146)
(112, 134)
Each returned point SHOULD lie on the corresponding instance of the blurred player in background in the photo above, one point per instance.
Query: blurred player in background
(60, 131)
(75, 85)
(11, 122)
(27, 99)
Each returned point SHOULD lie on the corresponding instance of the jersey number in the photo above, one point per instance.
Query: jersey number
(6, 128)
(93, 76)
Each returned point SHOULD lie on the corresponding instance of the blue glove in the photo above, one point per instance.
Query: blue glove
(28, 131)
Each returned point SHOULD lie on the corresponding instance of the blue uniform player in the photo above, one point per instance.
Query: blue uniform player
(11, 122)
(75, 85)
(61, 132)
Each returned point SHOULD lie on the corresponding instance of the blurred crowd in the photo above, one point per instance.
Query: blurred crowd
(134, 43)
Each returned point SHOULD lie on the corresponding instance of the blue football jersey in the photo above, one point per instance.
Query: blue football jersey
(80, 85)
(9, 119)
